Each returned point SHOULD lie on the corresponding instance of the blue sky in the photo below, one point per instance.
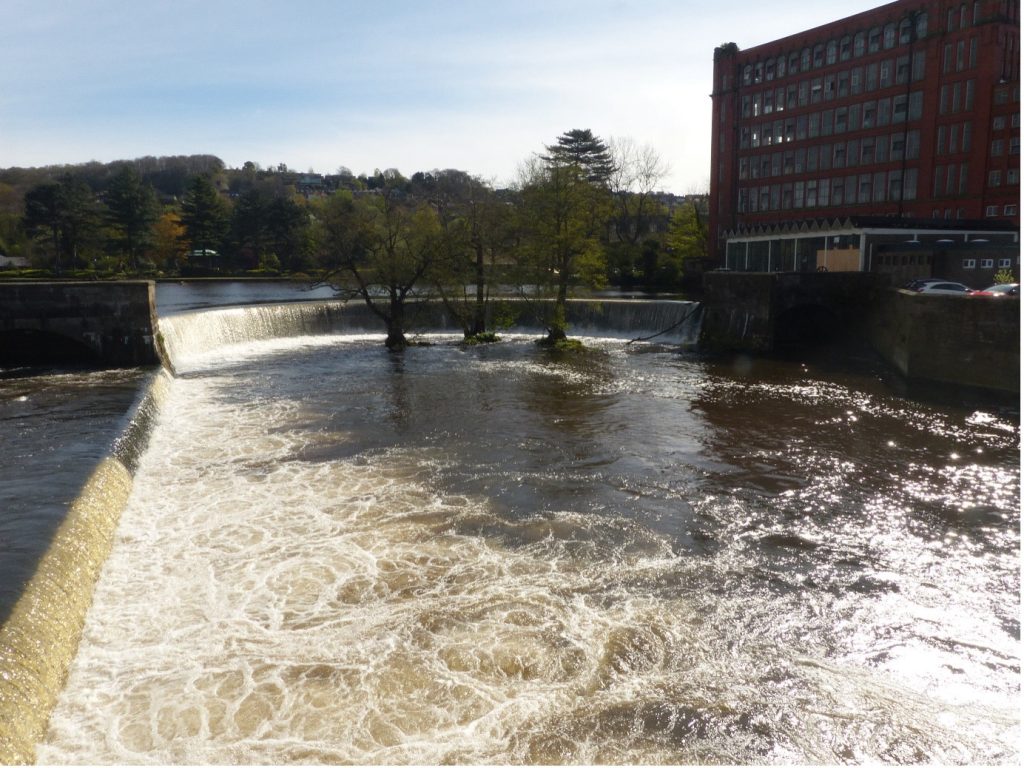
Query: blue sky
(320, 84)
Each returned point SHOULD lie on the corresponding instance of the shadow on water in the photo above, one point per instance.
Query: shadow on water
(55, 425)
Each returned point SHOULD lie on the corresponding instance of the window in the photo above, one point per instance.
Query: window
(905, 28)
(919, 62)
(1005, 263)
(816, 87)
(874, 40)
(970, 264)
(794, 62)
(997, 147)
(885, 74)
(864, 193)
(1010, 210)
(991, 210)
(844, 84)
(868, 119)
(871, 80)
(840, 119)
(845, 48)
(831, 52)
(913, 145)
(830, 87)
(856, 80)
(902, 69)
(819, 55)
(941, 140)
(969, 95)
(1015, 145)
(922, 24)
(916, 105)
(987, 263)
(910, 184)
(889, 36)
(961, 62)
(748, 74)
(895, 185)
(999, 122)
(899, 108)
(859, 41)
(994, 178)
(1012, 176)
(947, 58)
(805, 59)
(780, 66)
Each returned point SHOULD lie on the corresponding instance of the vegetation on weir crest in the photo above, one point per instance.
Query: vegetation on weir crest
(581, 213)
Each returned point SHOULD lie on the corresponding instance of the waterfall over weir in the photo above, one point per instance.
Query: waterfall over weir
(671, 322)
(40, 637)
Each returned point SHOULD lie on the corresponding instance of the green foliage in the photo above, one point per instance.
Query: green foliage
(1004, 276)
(688, 233)
(204, 215)
(485, 337)
(131, 210)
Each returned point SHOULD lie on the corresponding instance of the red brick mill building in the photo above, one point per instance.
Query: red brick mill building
(848, 146)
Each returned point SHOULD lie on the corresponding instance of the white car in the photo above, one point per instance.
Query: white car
(944, 288)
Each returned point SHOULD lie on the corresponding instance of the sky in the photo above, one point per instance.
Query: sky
(414, 85)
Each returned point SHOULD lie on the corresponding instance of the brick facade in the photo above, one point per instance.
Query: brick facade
(907, 111)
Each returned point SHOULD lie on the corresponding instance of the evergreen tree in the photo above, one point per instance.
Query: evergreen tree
(579, 147)
(132, 210)
(204, 216)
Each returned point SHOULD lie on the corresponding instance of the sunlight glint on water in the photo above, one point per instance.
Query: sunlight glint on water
(320, 563)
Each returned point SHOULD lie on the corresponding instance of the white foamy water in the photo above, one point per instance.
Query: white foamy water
(279, 592)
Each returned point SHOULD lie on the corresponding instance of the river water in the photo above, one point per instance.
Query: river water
(501, 554)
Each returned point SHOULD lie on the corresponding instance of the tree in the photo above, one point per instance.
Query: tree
(473, 232)
(688, 233)
(579, 147)
(565, 205)
(168, 236)
(386, 244)
(132, 211)
(204, 216)
(65, 212)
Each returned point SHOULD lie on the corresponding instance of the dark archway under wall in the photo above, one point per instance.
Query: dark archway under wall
(806, 325)
(31, 347)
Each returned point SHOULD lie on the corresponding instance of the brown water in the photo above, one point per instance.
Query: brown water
(496, 554)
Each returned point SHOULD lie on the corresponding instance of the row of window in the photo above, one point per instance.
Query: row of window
(987, 263)
(995, 178)
(855, 117)
(999, 121)
(999, 146)
(841, 49)
(880, 187)
(837, 85)
(993, 210)
(842, 154)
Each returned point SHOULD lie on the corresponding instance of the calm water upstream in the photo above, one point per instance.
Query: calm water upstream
(496, 554)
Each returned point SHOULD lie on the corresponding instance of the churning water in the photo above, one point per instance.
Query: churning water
(500, 554)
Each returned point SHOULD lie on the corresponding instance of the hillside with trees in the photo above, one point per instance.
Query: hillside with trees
(582, 212)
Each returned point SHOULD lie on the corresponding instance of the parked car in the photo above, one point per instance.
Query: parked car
(944, 288)
(916, 285)
(1003, 289)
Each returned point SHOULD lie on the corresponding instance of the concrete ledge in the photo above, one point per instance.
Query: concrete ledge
(107, 324)
(961, 340)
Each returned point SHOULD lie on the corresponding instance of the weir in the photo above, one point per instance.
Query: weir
(40, 638)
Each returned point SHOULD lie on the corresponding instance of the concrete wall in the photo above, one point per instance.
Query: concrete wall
(739, 313)
(101, 323)
(965, 341)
